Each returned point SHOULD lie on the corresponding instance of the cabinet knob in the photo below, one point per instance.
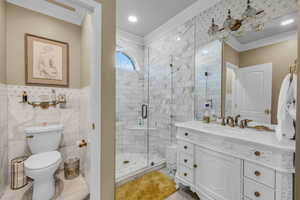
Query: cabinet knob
(185, 160)
(257, 153)
(185, 174)
(257, 173)
(185, 147)
(186, 134)
(195, 166)
(257, 194)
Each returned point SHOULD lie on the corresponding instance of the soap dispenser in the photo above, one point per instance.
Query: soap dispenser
(206, 116)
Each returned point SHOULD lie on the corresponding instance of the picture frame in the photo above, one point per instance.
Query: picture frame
(46, 61)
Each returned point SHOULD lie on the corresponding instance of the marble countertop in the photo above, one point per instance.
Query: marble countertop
(247, 134)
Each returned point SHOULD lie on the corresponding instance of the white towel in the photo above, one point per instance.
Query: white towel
(286, 106)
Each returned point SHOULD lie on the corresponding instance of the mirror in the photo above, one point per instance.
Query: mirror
(255, 66)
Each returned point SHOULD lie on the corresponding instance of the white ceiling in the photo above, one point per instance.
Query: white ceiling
(151, 14)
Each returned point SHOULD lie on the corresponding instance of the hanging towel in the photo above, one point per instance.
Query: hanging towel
(286, 106)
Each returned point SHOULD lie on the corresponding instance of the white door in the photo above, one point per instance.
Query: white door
(254, 92)
(217, 175)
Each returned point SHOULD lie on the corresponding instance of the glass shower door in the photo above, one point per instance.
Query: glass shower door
(159, 92)
(131, 125)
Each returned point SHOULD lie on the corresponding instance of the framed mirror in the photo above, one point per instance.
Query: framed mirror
(257, 65)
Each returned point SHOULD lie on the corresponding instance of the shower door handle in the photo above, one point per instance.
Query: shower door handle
(144, 111)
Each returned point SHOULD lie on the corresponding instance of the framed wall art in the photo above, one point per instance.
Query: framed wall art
(47, 61)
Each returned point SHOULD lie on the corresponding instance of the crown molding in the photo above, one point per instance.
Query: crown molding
(179, 19)
(129, 37)
(53, 10)
(235, 44)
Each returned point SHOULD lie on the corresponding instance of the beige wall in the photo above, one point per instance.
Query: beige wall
(281, 55)
(21, 21)
(231, 55)
(2, 42)
(86, 51)
(108, 101)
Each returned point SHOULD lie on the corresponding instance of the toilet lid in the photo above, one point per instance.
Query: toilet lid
(42, 160)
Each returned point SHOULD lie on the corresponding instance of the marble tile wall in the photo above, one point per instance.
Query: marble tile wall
(22, 115)
(3, 139)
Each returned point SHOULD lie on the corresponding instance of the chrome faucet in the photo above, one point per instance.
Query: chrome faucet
(230, 121)
(236, 120)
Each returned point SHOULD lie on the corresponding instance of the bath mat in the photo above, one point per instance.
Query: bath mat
(152, 186)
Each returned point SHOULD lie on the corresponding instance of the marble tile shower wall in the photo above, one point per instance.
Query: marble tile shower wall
(171, 88)
(22, 115)
(3, 139)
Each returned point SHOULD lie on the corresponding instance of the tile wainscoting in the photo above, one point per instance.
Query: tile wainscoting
(22, 115)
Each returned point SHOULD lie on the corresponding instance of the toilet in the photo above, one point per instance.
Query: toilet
(43, 142)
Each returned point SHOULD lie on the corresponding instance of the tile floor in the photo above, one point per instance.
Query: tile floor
(75, 189)
(183, 194)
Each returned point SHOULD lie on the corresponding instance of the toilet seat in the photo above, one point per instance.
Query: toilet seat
(42, 160)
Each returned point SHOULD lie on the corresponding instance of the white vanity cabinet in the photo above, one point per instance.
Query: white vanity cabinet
(222, 163)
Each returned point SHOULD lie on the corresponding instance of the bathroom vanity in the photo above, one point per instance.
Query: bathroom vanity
(223, 163)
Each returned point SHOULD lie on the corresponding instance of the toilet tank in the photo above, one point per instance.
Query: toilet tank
(44, 138)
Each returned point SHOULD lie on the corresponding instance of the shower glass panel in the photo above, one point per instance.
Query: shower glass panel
(131, 136)
(159, 80)
(150, 100)
(171, 89)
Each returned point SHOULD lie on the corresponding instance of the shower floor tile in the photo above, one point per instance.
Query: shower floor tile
(76, 189)
(128, 163)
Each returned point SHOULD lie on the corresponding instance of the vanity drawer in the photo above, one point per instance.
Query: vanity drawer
(186, 173)
(260, 174)
(185, 147)
(184, 133)
(257, 191)
(186, 160)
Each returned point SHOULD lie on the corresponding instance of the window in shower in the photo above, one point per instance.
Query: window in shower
(123, 61)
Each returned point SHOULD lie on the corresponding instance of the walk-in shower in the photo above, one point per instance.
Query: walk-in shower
(154, 91)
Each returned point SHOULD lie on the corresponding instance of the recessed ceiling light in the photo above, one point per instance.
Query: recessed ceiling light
(132, 19)
(287, 22)
(178, 38)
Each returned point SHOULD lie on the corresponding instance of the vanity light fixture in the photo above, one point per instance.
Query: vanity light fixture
(132, 19)
(231, 24)
(287, 22)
